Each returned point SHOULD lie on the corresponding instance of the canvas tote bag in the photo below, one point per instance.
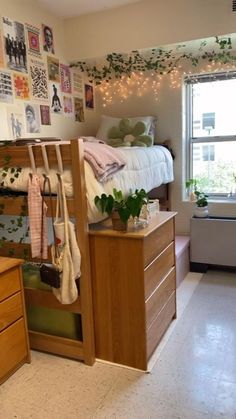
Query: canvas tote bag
(67, 245)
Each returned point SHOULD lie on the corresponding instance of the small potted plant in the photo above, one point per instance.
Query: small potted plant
(121, 207)
(201, 208)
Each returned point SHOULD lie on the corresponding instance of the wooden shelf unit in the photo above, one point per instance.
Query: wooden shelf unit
(134, 289)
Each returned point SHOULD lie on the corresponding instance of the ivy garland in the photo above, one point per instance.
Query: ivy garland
(160, 61)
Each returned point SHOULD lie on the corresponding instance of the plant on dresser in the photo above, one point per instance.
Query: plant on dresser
(121, 207)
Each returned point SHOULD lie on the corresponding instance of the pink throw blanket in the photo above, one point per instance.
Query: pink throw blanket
(104, 159)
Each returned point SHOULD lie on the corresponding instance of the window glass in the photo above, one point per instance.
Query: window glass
(211, 132)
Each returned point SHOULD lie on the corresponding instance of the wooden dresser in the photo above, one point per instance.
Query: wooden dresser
(14, 343)
(134, 289)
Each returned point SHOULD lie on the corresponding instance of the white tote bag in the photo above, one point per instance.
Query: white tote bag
(69, 253)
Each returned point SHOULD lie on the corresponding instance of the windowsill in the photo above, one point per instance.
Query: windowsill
(216, 201)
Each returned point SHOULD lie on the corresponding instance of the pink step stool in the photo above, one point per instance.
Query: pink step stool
(181, 257)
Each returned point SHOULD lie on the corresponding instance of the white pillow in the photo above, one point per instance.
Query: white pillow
(107, 122)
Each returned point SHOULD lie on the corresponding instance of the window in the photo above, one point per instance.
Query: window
(211, 131)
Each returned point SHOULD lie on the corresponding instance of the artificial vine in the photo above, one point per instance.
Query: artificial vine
(158, 60)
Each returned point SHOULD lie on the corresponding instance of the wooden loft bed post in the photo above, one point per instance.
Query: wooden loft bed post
(80, 209)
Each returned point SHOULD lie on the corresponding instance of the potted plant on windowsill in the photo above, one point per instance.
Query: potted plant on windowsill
(201, 207)
(121, 207)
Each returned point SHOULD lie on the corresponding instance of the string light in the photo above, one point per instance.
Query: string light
(139, 84)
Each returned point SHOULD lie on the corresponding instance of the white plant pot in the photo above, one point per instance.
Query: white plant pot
(200, 212)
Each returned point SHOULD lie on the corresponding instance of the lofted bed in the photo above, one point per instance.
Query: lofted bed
(81, 208)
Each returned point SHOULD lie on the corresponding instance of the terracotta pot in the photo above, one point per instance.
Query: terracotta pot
(117, 223)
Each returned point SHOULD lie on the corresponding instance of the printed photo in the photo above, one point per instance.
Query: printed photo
(38, 77)
(21, 86)
(33, 40)
(56, 98)
(67, 106)
(45, 115)
(15, 120)
(65, 78)
(15, 48)
(48, 41)
(32, 118)
(53, 69)
(6, 90)
(79, 109)
(89, 99)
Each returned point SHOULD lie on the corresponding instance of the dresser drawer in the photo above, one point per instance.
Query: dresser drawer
(11, 309)
(160, 296)
(155, 272)
(160, 324)
(9, 283)
(13, 340)
(156, 242)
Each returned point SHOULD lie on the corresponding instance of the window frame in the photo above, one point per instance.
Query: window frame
(189, 81)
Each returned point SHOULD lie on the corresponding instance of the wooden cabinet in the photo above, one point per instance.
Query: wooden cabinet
(14, 344)
(134, 289)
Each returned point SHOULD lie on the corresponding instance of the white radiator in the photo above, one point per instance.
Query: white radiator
(213, 241)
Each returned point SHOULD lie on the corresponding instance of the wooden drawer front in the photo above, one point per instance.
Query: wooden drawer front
(9, 283)
(155, 272)
(160, 324)
(159, 298)
(13, 347)
(157, 241)
(10, 310)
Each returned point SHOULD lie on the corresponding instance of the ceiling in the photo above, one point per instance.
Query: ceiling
(71, 8)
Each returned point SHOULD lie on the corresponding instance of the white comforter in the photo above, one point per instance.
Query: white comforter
(146, 167)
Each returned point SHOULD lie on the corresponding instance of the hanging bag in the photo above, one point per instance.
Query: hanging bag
(50, 274)
(67, 293)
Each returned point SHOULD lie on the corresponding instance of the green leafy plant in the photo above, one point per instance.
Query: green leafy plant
(201, 200)
(126, 206)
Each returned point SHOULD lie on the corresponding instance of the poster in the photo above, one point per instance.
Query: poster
(67, 106)
(14, 45)
(6, 90)
(55, 98)
(53, 69)
(77, 82)
(15, 120)
(21, 86)
(48, 39)
(45, 115)
(38, 78)
(79, 109)
(89, 96)
(65, 78)
(33, 40)
(32, 118)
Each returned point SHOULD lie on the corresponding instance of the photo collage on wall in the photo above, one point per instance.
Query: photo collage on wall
(34, 84)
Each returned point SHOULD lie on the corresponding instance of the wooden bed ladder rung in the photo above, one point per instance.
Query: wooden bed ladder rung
(55, 344)
(44, 298)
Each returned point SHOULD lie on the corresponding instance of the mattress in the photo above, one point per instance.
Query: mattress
(146, 167)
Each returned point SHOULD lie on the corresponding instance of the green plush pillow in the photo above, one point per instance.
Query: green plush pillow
(128, 135)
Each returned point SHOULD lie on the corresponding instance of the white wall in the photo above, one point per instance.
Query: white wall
(147, 24)
(28, 11)
(153, 23)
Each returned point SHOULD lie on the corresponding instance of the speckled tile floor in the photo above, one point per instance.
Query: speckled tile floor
(193, 377)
